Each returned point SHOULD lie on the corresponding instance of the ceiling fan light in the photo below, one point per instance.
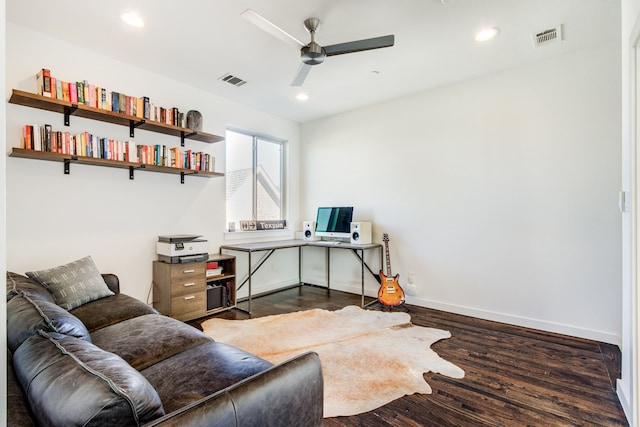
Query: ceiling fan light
(487, 34)
(132, 19)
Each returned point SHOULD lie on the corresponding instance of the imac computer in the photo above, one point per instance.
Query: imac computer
(334, 222)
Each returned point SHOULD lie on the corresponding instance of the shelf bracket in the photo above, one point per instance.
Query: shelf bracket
(67, 162)
(183, 136)
(133, 125)
(131, 172)
(68, 111)
(181, 177)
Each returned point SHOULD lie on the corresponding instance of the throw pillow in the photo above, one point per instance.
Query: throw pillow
(73, 284)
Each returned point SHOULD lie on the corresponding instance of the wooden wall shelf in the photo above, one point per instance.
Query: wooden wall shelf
(79, 110)
(67, 159)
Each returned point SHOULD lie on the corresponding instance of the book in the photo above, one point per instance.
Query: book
(93, 99)
(27, 139)
(115, 102)
(131, 152)
(54, 88)
(44, 82)
(140, 108)
(83, 144)
(73, 93)
(146, 106)
(66, 141)
(175, 120)
(87, 93)
(59, 90)
(103, 98)
(37, 144)
(46, 140)
(77, 145)
(80, 88)
(66, 95)
(122, 102)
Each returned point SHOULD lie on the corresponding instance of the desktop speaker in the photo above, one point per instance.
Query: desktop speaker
(360, 233)
(309, 230)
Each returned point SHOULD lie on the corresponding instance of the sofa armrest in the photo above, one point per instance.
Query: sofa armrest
(112, 282)
(288, 394)
(18, 413)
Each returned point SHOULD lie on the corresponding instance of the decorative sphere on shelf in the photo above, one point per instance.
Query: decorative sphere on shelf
(194, 120)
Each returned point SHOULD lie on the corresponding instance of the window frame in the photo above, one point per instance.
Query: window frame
(255, 138)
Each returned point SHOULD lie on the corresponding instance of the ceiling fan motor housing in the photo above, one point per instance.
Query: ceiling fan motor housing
(313, 54)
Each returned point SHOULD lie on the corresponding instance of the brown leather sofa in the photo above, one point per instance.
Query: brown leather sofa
(116, 362)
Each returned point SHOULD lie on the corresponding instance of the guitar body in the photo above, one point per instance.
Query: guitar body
(390, 292)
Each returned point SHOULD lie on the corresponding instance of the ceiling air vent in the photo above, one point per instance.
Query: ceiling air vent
(547, 36)
(233, 80)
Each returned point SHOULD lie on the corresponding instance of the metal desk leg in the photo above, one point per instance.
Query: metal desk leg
(249, 300)
(362, 276)
(299, 270)
(328, 271)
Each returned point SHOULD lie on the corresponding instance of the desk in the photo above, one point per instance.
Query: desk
(271, 247)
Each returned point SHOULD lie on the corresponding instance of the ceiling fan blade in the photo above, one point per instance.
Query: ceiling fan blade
(360, 45)
(271, 28)
(303, 70)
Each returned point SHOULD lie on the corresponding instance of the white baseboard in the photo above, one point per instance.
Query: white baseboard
(499, 317)
(627, 407)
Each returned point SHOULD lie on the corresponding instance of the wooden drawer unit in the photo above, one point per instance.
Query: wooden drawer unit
(179, 290)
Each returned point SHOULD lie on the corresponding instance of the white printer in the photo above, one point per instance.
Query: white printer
(182, 248)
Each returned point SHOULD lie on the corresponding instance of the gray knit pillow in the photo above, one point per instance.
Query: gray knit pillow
(73, 284)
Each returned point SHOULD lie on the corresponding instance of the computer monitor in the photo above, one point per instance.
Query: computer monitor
(334, 222)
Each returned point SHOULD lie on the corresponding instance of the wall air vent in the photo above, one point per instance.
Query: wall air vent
(233, 80)
(548, 36)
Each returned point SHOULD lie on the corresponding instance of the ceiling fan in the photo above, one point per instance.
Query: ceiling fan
(312, 53)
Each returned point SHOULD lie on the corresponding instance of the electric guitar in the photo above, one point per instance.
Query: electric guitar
(390, 292)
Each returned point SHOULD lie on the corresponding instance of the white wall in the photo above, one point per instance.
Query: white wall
(627, 386)
(3, 226)
(55, 218)
(500, 194)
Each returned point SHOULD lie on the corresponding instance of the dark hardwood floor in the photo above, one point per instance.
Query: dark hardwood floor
(514, 376)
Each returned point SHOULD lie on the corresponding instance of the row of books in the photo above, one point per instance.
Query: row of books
(83, 92)
(44, 138)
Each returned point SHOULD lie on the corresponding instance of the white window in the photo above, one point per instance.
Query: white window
(255, 177)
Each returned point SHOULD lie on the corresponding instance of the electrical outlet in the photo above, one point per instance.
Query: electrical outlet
(411, 289)
(410, 275)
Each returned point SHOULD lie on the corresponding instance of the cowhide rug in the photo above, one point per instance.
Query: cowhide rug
(369, 358)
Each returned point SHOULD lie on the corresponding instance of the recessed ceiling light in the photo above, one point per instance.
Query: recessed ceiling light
(487, 34)
(132, 19)
(302, 97)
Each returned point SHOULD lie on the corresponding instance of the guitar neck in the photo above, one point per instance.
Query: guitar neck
(388, 258)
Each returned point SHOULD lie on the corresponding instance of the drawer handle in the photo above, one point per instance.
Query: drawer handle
(188, 271)
(189, 297)
(186, 285)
